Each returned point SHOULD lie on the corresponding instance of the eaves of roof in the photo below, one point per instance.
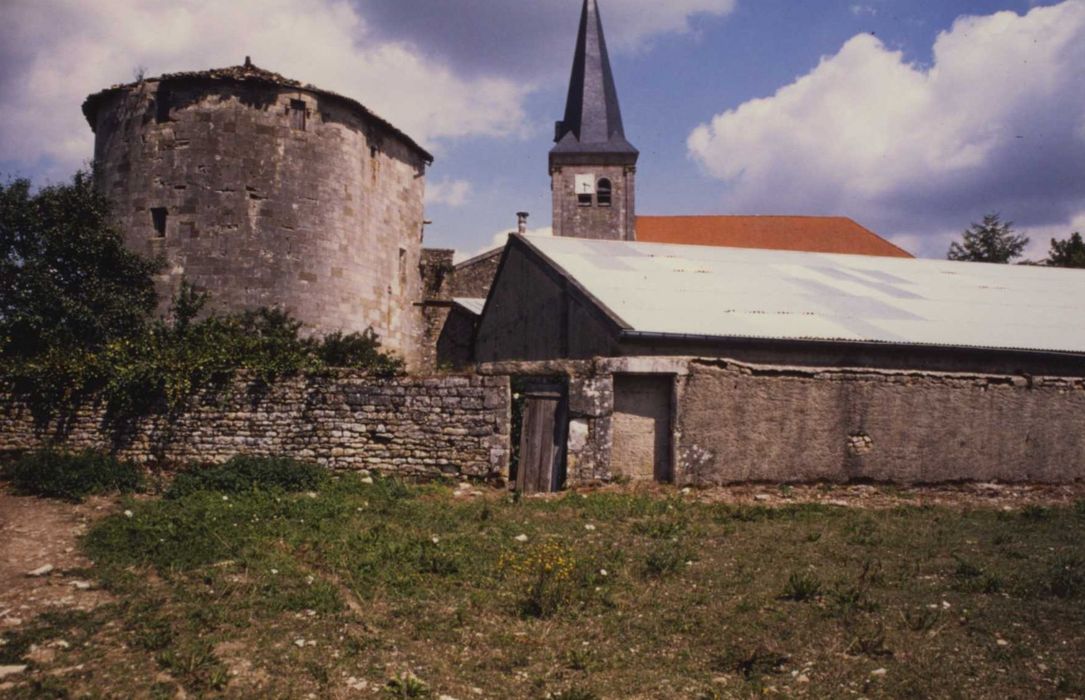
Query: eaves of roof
(251, 74)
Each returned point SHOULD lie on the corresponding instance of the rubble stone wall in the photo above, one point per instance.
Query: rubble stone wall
(456, 425)
(740, 423)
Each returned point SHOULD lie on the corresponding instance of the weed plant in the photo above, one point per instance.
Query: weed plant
(71, 476)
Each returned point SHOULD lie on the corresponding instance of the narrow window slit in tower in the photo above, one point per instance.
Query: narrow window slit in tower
(602, 192)
(297, 114)
(162, 105)
(158, 220)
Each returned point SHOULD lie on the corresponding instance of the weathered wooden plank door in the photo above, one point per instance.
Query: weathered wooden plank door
(542, 440)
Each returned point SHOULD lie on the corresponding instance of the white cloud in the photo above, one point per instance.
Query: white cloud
(994, 124)
(498, 240)
(58, 52)
(860, 10)
(453, 193)
(632, 22)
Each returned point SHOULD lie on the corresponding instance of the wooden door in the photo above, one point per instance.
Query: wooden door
(542, 441)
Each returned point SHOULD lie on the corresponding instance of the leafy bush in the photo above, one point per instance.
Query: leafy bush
(245, 473)
(357, 350)
(161, 367)
(72, 476)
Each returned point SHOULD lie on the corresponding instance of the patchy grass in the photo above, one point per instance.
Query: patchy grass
(339, 585)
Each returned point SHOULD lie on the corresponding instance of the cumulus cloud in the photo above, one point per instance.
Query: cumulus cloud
(453, 193)
(57, 52)
(439, 71)
(993, 124)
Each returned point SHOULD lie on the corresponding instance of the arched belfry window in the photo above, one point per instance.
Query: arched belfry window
(602, 192)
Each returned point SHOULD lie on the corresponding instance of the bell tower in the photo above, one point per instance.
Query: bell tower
(592, 167)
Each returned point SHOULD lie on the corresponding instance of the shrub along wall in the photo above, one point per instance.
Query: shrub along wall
(343, 419)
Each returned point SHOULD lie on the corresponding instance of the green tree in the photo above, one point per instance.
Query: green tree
(66, 279)
(991, 241)
(1068, 253)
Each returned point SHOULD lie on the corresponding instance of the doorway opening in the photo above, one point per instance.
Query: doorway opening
(540, 425)
(642, 427)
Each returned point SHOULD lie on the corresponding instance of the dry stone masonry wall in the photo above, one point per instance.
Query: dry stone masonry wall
(740, 422)
(454, 425)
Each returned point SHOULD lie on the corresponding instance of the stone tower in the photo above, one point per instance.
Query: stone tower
(267, 192)
(592, 166)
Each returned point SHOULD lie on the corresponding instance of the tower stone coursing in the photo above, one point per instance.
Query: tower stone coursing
(267, 192)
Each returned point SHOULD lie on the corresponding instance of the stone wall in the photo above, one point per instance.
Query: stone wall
(269, 195)
(734, 422)
(436, 270)
(456, 425)
(740, 422)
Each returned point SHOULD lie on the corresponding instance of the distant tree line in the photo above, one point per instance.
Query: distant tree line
(77, 316)
(995, 241)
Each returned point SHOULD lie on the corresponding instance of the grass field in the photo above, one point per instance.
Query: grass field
(359, 589)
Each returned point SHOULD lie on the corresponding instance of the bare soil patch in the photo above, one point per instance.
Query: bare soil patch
(37, 533)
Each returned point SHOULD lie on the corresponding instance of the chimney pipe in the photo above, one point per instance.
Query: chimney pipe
(521, 222)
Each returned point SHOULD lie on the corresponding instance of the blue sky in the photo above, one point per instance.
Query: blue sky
(914, 118)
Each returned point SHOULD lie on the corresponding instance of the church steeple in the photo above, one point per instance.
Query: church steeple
(593, 118)
(592, 165)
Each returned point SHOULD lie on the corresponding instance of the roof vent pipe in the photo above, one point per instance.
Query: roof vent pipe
(521, 222)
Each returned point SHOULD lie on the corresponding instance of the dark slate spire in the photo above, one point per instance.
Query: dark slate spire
(593, 119)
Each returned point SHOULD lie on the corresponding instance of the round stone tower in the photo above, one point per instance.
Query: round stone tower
(266, 192)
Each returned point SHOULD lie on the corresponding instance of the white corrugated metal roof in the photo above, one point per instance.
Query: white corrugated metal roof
(741, 292)
(471, 304)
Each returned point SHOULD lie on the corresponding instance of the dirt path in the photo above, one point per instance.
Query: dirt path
(35, 534)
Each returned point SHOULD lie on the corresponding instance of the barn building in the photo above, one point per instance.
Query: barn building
(707, 365)
(705, 350)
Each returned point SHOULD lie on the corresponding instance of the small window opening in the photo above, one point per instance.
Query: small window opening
(297, 114)
(402, 270)
(602, 192)
(162, 105)
(583, 200)
(158, 220)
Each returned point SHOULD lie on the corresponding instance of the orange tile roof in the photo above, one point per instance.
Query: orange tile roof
(816, 234)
